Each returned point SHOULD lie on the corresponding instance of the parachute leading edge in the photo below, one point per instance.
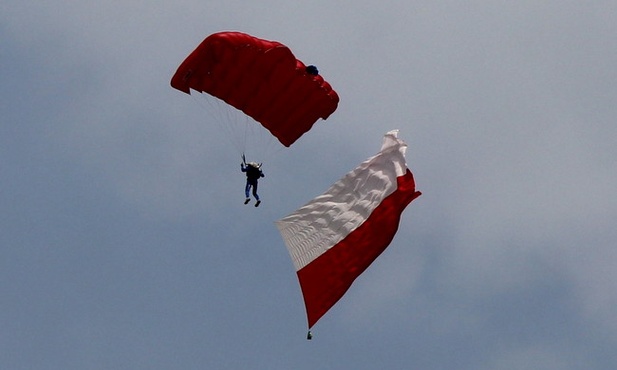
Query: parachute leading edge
(261, 78)
(336, 236)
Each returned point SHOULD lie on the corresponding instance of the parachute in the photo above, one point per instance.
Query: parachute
(261, 78)
(336, 236)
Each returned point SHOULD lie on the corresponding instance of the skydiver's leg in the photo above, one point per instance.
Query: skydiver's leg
(247, 190)
(255, 192)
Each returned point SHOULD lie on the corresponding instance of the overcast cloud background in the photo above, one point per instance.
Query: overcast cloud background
(124, 243)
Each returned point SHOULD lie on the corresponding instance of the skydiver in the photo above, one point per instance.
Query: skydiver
(253, 173)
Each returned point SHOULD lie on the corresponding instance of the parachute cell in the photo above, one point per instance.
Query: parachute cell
(261, 78)
(336, 236)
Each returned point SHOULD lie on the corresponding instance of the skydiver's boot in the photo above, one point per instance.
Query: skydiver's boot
(247, 200)
(258, 203)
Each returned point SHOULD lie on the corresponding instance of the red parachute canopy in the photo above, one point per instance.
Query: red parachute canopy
(261, 78)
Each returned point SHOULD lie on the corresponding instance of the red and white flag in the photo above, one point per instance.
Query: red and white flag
(333, 238)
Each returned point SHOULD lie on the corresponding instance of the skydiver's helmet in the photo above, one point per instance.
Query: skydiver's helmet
(254, 165)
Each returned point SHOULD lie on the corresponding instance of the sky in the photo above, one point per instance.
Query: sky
(125, 243)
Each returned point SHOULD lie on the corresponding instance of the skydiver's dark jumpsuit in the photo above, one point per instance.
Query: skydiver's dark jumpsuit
(252, 175)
